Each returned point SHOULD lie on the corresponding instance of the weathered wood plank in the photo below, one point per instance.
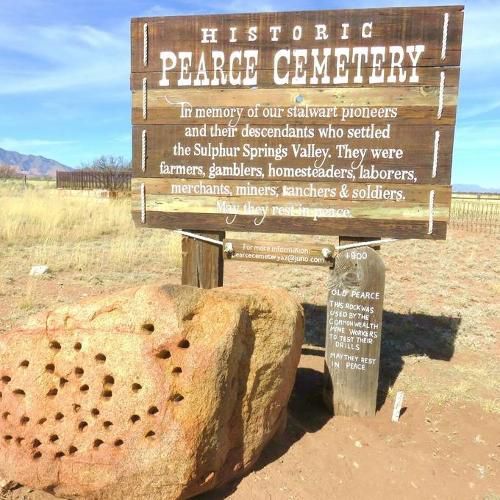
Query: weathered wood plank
(295, 225)
(313, 209)
(390, 27)
(291, 190)
(401, 104)
(418, 143)
(353, 335)
(429, 76)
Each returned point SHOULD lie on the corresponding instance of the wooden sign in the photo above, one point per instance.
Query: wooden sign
(320, 122)
(353, 332)
(279, 252)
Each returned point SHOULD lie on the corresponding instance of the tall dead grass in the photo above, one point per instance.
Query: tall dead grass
(31, 216)
(45, 226)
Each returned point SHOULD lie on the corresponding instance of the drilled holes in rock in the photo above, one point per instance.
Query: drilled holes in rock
(52, 393)
(94, 412)
(8, 438)
(135, 418)
(54, 438)
(19, 392)
(189, 317)
(59, 455)
(107, 424)
(183, 344)
(109, 380)
(76, 407)
(6, 379)
(55, 346)
(163, 354)
(24, 364)
(77, 346)
(136, 387)
(100, 358)
(98, 442)
(153, 410)
(79, 371)
(107, 394)
(148, 328)
(36, 443)
(59, 416)
(82, 425)
(50, 368)
(118, 442)
(24, 420)
(51, 488)
(42, 421)
(19, 440)
(5, 415)
(37, 455)
(84, 388)
(72, 450)
(176, 398)
(63, 381)
(150, 434)
(176, 370)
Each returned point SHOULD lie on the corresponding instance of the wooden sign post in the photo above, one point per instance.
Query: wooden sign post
(203, 261)
(353, 334)
(318, 122)
(335, 122)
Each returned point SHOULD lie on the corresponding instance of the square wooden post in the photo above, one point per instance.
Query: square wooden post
(202, 261)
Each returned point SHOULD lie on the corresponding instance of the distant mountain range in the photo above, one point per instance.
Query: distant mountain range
(31, 165)
(473, 188)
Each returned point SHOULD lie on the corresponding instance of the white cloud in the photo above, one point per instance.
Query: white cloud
(12, 144)
(55, 58)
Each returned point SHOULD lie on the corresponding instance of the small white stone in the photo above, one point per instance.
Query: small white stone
(39, 270)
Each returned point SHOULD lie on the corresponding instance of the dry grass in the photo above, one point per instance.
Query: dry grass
(45, 215)
(44, 226)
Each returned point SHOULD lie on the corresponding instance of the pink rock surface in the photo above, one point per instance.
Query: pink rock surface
(153, 392)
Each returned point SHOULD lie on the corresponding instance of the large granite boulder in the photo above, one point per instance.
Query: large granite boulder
(157, 392)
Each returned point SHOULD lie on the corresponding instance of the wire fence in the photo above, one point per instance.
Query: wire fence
(480, 216)
(94, 179)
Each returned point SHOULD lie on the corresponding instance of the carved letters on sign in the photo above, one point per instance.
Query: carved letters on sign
(353, 332)
(319, 122)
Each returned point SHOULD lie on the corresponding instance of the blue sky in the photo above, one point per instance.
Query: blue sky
(64, 76)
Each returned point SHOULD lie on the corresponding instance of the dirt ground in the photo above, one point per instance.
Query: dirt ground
(439, 346)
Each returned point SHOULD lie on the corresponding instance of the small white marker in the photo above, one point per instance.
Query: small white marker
(398, 403)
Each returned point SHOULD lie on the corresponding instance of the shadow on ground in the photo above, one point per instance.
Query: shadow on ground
(402, 335)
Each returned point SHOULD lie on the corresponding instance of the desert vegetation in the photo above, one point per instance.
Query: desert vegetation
(85, 235)
(439, 342)
(8, 172)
